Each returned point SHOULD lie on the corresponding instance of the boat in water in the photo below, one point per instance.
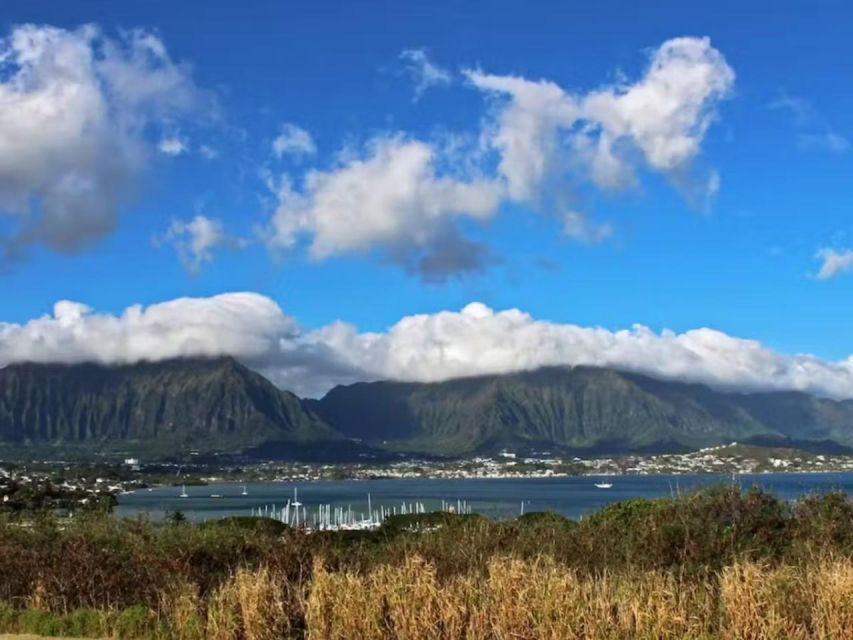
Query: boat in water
(184, 493)
(603, 485)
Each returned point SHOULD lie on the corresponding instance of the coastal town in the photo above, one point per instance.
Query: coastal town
(728, 459)
(70, 486)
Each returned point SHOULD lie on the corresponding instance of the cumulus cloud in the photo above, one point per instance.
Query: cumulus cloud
(833, 262)
(543, 132)
(423, 72)
(293, 140)
(75, 106)
(526, 129)
(479, 340)
(389, 196)
(243, 324)
(405, 198)
(476, 340)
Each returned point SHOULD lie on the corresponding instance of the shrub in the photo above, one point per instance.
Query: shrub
(87, 623)
(134, 623)
(8, 618)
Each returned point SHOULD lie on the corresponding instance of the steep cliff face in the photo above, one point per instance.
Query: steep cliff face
(220, 404)
(187, 400)
(573, 408)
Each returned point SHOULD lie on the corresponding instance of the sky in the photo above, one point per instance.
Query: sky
(338, 191)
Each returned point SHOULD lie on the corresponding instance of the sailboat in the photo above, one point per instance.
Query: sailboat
(603, 485)
(184, 493)
(244, 492)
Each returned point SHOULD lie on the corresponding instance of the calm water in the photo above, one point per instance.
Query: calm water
(495, 498)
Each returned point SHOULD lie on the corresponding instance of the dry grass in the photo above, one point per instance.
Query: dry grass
(833, 604)
(252, 605)
(514, 599)
(764, 603)
(522, 600)
(27, 636)
(181, 608)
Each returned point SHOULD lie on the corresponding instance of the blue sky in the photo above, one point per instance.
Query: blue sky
(740, 259)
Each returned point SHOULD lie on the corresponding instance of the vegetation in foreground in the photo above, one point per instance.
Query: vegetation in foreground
(715, 564)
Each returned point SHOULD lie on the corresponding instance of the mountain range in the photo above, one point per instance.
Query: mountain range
(218, 404)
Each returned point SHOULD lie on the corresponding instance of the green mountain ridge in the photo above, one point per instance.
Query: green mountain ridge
(218, 404)
(573, 408)
(191, 403)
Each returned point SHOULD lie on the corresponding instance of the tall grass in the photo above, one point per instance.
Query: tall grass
(719, 564)
(541, 599)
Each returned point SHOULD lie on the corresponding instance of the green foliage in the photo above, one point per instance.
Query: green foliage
(8, 618)
(176, 517)
(171, 405)
(825, 522)
(87, 623)
(134, 622)
(705, 529)
(261, 526)
(417, 522)
(77, 570)
(571, 408)
(40, 622)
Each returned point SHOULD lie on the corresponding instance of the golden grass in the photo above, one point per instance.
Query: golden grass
(524, 600)
(181, 608)
(512, 599)
(251, 605)
(27, 636)
(833, 604)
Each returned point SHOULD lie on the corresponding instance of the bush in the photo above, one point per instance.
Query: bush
(40, 622)
(133, 623)
(87, 623)
(702, 530)
(824, 522)
(8, 618)
(147, 575)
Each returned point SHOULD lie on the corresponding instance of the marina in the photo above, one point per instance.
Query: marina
(325, 517)
(346, 503)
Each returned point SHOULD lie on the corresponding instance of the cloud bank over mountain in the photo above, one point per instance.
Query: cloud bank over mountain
(428, 347)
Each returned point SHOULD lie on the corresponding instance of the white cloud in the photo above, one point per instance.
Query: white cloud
(478, 340)
(404, 198)
(423, 71)
(243, 324)
(543, 132)
(526, 131)
(430, 347)
(293, 140)
(389, 196)
(196, 240)
(578, 226)
(74, 108)
(172, 146)
(834, 262)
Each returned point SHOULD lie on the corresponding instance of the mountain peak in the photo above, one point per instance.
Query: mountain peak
(582, 408)
(198, 402)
